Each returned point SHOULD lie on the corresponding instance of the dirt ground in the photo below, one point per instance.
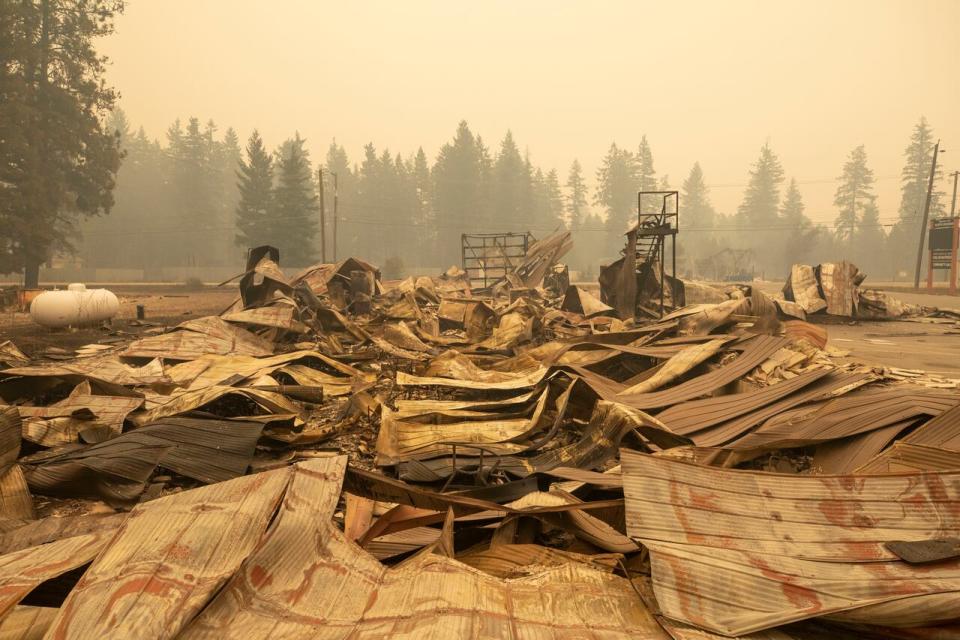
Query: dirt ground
(164, 305)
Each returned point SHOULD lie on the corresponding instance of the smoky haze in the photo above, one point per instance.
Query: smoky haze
(705, 82)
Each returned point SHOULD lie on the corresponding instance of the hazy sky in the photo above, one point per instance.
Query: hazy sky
(708, 81)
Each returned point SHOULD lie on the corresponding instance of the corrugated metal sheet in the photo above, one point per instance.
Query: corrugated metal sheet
(26, 623)
(199, 337)
(851, 415)
(15, 500)
(741, 551)
(846, 454)
(696, 415)
(332, 589)
(725, 432)
(169, 558)
(759, 349)
(21, 571)
(942, 431)
(906, 457)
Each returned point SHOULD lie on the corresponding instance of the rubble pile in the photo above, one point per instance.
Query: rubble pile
(834, 289)
(338, 456)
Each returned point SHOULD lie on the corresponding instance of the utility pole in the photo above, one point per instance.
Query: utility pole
(336, 193)
(953, 202)
(926, 215)
(323, 220)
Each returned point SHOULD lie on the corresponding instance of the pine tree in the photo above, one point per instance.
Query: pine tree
(616, 193)
(800, 235)
(347, 230)
(913, 189)
(255, 184)
(869, 252)
(294, 218)
(697, 239)
(698, 213)
(510, 185)
(646, 174)
(577, 208)
(854, 193)
(194, 186)
(58, 162)
(228, 157)
(457, 192)
(757, 214)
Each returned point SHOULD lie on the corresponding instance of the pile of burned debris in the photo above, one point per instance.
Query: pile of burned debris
(339, 456)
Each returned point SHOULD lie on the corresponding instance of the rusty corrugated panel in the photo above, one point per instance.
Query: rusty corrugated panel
(741, 551)
(513, 560)
(840, 518)
(846, 454)
(696, 415)
(22, 571)
(942, 431)
(851, 415)
(196, 338)
(834, 384)
(15, 500)
(801, 330)
(26, 623)
(758, 349)
(904, 456)
(330, 588)
(53, 528)
(169, 558)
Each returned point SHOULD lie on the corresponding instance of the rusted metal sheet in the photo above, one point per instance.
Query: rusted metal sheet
(846, 454)
(64, 421)
(832, 385)
(739, 551)
(696, 415)
(583, 302)
(840, 283)
(677, 365)
(26, 623)
(759, 349)
(53, 528)
(21, 571)
(802, 288)
(839, 518)
(15, 500)
(169, 558)
(851, 415)
(903, 456)
(943, 431)
(331, 588)
(196, 338)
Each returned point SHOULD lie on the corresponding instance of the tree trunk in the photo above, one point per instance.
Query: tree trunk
(31, 274)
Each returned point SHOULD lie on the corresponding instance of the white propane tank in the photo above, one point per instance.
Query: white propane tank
(73, 307)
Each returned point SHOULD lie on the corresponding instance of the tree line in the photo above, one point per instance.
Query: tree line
(69, 156)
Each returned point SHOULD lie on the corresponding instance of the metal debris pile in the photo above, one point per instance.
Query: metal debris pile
(834, 289)
(335, 456)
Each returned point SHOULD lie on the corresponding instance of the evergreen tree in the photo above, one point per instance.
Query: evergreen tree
(854, 193)
(194, 185)
(294, 217)
(697, 239)
(869, 251)
(228, 156)
(424, 220)
(255, 184)
(646, 175)
(510, 186)
(913, 189)
(757, 214)
(698, 213)
(577, 208)
(58, 161)
(347, 230)
(799, 233)
(616, 193)
(457, 192)
(548, 204)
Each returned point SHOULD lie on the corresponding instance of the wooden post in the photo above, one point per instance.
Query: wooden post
(323, 220)
(336, 193)
(953, 255)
